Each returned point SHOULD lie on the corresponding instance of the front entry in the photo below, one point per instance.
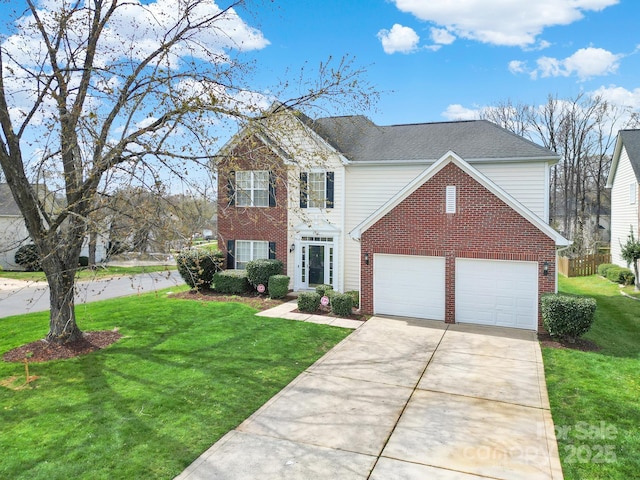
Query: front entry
(315, 264)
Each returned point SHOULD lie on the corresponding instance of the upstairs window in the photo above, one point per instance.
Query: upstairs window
(252, 188)
(633, 195)
(316, 189)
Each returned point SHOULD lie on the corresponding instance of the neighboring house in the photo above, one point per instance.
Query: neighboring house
(13, 231)
(444, 221)
(623, 180)
(14, 234)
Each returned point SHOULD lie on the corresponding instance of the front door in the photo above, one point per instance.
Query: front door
(316, 262)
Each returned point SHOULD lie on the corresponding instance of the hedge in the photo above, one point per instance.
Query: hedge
(259, 271)
(324, 289)
(232, 282)
(604, 267)
(308, 301)
(355, 295)
(278, 286)
(27, 257)
(342, 304)
(567, 317)
(197, 267)
(621, 275)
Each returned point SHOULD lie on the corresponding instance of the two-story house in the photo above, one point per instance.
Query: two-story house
(445, 221)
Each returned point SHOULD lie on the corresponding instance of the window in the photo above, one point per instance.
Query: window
(632, 193)
(316, 189)
(247, 250)
(252, 188)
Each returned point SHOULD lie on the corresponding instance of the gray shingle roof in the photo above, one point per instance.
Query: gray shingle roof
(360, 140)
(631, 141)
(8, 206)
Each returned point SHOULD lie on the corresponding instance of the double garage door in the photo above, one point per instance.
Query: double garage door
(487, 292)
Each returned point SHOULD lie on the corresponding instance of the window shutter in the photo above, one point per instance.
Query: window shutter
(272, 189)
(330, 181)
(231, 254)
(272, 250)
(303, 190)
(231, 188)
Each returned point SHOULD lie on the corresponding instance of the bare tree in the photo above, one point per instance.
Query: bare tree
(98, 91)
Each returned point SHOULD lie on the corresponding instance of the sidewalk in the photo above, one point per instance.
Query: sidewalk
(401, 399)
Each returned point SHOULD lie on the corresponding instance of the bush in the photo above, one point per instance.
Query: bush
(259, 271)
(232, 282)
(355, 295)
(308, 301)
(567, 317)
(620, 275)
(323, 290)
(197, 267)
(83, 261)
(278, 286)
(604, 267)
(27, 257)
(342, 304)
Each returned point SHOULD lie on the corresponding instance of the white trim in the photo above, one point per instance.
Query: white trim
(451, 157)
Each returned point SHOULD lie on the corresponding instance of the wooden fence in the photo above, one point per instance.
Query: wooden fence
(582, 266)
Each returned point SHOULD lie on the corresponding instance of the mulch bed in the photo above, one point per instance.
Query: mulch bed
(581, 344)
(253, 299)
(43, 351)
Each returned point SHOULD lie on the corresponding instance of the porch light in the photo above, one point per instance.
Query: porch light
(292, 247)
(366, 258)
(545, 268)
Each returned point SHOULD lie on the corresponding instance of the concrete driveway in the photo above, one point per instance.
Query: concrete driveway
(402, 399)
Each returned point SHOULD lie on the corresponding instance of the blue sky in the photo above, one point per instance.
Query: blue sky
(443, 63)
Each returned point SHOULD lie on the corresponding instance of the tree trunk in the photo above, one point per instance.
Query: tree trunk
(60, 270)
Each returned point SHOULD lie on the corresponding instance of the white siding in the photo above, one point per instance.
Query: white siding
(526, 182)
(623, 212)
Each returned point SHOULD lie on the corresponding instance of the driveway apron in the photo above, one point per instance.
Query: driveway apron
(402, 399)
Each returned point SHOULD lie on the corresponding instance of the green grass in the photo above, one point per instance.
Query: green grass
(88, 274)
(185, 373)
(595, 395)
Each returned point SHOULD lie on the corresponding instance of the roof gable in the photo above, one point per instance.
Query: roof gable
(8, 206)
(448, 158)
(630, 140)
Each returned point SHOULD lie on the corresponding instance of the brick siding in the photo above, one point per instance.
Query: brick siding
(482, 227)
(253, 223)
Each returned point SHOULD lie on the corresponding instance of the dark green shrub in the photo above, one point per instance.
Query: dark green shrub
(342, 304)
(259, 271)
(278, 286)
(233, 282)
(628, 277)
(308, 301)
(27, 257)
(323, 289)
(83, 261)
(604, 267)
(567, 317)
(355, 295)
(197, 267)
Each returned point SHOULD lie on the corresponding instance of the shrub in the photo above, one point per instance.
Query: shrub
(355, 295)
(27, 257)
(197, 267)
(620, 275)
(604, 267)
(259, 271)
(83, 261)
(323, 290)
(278, 286)
(308, 301)
(342, 304)
(231, 281)
(567, 317)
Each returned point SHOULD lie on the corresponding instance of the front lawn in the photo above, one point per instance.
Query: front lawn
(595, 395)
(88, 273)
(184, 373)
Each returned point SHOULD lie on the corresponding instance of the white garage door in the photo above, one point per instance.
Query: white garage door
(409, 286)
(497, 292)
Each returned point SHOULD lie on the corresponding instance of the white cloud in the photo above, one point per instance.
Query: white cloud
(584, 63)
(517, 66)
(442, 36)
(399, 39)
(619, 96)
(500, 22)
(458, 112)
